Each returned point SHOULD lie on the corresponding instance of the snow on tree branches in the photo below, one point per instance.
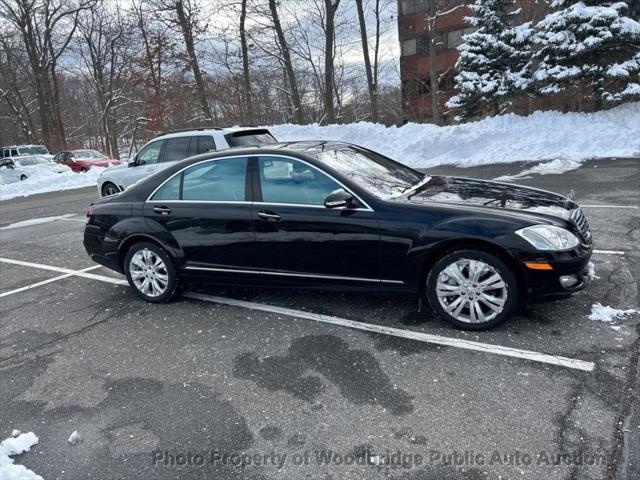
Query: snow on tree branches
(491, 62)
(590, 46)
(595, 46)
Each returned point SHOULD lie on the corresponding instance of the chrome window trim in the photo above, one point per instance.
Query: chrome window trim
(366, 209)
(304, 275)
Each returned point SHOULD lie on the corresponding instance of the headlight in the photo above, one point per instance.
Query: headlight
(549, 237)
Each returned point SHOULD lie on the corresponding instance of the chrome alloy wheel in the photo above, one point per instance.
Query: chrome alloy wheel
(471, 291)
(109, 190)
(149, 273)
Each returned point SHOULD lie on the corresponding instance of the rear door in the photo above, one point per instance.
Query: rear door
(297, 237)
(207, 211)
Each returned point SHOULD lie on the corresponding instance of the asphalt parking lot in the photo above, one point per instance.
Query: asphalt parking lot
(290, 384)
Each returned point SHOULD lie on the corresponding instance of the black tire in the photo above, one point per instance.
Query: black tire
(172, 277)
(109, 189)
(511, 302)
(23, 178)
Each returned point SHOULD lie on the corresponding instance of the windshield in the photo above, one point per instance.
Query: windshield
(88, 154)
(33, 150)
(371, 171)
(249, 138)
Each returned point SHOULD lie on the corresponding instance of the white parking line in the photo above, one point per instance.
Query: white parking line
(396, 332)
(69, 217)
(610, 206)
(71, 273)
(45, 282)
(609, 252)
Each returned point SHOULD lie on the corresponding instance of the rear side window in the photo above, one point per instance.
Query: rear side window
(219, 180)
(248, 138)
(170, 190)
(201, 144)
(176, 149)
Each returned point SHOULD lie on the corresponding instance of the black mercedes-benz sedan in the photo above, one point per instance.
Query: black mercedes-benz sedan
(336, 215)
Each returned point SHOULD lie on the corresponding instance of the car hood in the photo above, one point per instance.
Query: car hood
(484, 193)
(103, 162)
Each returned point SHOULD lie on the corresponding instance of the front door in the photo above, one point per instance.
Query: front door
(298, 237)
(206, 210)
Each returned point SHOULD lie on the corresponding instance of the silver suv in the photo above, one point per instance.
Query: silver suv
(169, 148)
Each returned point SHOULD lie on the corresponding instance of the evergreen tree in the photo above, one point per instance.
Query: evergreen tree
(592, 44)
(491, 60)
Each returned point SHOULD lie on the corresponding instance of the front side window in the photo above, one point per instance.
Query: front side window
(284, 180)
(176, 149)
(217, 180)
(150, 154)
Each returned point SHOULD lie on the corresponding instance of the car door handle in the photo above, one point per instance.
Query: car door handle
(162, 210)
(272, 217)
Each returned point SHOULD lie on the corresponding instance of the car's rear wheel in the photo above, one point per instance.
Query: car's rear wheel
(109, 189)
(150, 272)
(23, 178)
(472, 290)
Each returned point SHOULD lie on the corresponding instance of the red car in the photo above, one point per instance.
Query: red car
(83, 160)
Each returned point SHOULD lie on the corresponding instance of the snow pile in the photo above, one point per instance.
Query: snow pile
(554, 167)
(43, 180)
(74, 438)
(15, 446)
(501, 139)
(603, 313)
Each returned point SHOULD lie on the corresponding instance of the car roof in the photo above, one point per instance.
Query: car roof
(210, 130)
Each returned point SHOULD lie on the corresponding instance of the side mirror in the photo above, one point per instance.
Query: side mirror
(338, 198)
(133, 162)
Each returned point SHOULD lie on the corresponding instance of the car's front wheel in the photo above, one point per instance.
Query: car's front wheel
(23, 178)
(150, 272)
(472, 290)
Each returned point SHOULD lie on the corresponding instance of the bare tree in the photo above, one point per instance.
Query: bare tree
(104, 47)
(286, 60)
(331, 6)
(370, 70)
(246, 78)
(188, 24)
(46, 27)
(435, 11)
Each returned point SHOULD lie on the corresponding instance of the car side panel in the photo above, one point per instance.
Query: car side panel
(411, 236)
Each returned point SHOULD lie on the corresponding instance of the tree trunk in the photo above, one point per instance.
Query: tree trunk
(187, 33)
(286, 57)
(433, 71)
(367, 61)
(330, 30)
(248, 100)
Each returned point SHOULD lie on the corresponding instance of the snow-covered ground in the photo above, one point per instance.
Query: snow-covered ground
(504, 139)
(45, 181)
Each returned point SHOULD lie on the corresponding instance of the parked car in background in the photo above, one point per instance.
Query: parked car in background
(20, 150)
(83, 160)
(335, 215)
(38, 162)
(171, 147)
(9, 173)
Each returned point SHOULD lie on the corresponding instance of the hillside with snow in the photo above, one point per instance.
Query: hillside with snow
(503, 139)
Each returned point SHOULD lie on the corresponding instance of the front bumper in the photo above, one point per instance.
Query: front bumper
(546, 285)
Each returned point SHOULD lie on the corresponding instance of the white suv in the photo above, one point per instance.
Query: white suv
(169, 148)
